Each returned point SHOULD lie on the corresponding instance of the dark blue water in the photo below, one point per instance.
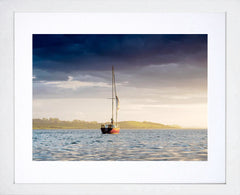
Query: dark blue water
(129, 145)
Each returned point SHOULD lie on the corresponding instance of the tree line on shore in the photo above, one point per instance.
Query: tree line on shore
(55, 123)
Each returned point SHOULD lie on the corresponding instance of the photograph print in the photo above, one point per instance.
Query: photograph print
(119, 97)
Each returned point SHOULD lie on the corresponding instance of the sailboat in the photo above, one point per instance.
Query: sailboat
(112, 128)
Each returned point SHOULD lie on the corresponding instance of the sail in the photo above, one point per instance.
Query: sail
(117, 103)
(115, 99)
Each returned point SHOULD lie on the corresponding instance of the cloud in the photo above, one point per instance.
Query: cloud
(74, 84)
(71, 53)
(164, 68)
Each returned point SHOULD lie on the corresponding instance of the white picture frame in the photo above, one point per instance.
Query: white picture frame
(29, 171)
(7, 8)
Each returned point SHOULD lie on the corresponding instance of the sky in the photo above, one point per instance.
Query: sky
(160, 77)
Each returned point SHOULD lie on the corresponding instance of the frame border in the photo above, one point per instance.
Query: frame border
(211, 171)
(231, 187)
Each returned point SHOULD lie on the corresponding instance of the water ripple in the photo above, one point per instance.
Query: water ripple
(129, 145)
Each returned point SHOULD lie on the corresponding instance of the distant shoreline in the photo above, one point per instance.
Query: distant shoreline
(55, 123)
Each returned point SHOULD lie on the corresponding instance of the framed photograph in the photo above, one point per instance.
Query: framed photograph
(119, 98)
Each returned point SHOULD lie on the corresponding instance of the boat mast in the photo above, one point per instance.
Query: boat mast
(115, 96)
(116, 103)
(112, 94)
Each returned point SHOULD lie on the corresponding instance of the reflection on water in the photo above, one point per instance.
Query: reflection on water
(129, 145)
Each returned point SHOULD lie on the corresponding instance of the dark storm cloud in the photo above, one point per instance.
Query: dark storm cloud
(67, 54)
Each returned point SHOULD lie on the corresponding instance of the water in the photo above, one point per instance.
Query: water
(129, 145)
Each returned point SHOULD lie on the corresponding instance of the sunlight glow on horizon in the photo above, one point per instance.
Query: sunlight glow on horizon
(100, 111)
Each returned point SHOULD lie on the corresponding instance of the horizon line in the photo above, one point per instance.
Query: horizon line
(182, 127)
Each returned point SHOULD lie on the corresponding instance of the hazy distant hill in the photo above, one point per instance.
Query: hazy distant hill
(145, 125)
(55, 123)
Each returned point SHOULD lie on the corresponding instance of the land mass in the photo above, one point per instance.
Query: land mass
(55, 123)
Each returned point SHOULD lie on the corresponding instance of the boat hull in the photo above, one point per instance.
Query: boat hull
(110, 130)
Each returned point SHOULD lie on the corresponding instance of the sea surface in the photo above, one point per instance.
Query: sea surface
(129, 145)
